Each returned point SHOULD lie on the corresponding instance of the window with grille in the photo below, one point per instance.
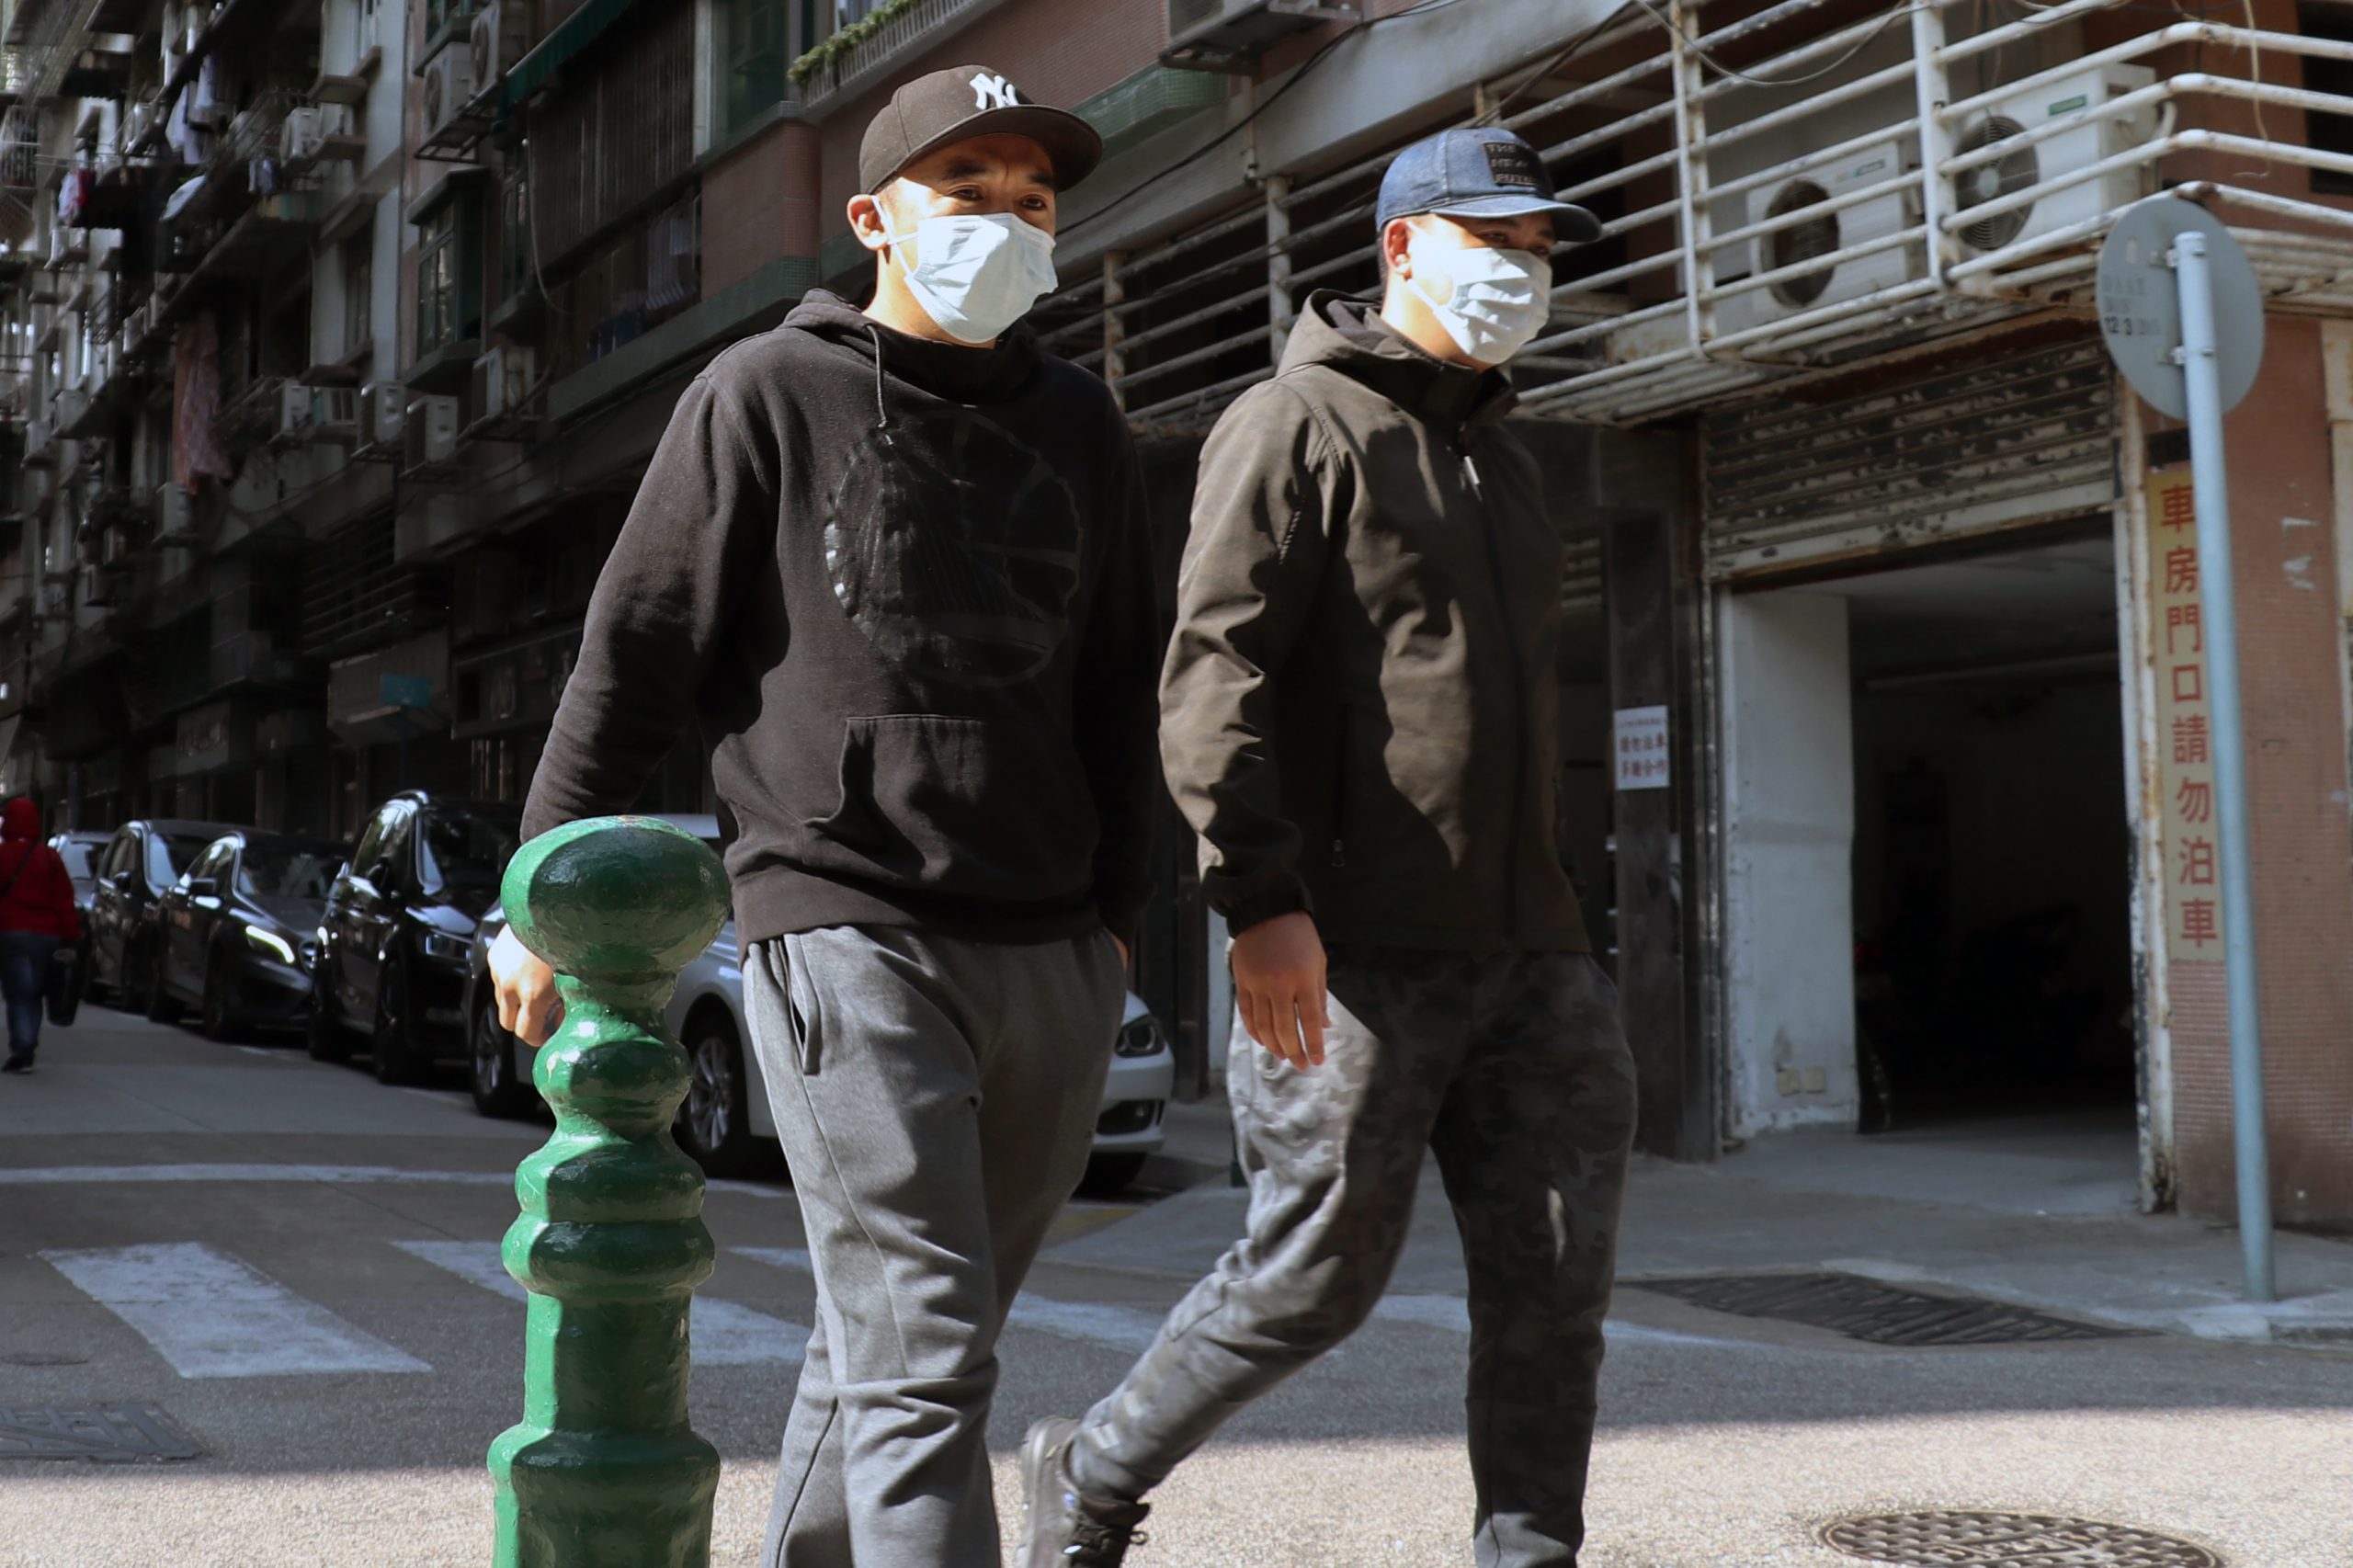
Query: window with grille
(358, 294)
(449, 308)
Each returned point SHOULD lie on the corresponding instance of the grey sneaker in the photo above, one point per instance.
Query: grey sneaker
(1065, 1529)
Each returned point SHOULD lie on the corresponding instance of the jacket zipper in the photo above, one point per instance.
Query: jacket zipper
(1518, 682)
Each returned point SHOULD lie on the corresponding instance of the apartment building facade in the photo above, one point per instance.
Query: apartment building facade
(319, 458)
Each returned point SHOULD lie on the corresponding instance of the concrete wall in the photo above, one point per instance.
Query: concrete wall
(1788, 757)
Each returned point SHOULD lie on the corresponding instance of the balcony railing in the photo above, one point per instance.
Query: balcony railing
(1798, 188)
(867, 50)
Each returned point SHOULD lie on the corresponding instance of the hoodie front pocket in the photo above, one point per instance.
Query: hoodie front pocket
(973, 808)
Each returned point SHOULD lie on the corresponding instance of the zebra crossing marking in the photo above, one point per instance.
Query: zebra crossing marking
(721, 1333)
(211, 1315)
(1096, 1322)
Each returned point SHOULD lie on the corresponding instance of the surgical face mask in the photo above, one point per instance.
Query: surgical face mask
(977, 273)
(1501, 300)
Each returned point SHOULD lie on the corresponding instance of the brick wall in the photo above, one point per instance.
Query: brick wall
(1059, 51)
(758, 205)
(2291, 642)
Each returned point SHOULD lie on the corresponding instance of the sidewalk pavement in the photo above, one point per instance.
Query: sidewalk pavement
(2034, 1213)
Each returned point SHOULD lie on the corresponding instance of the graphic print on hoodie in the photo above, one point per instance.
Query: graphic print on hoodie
(905, 589)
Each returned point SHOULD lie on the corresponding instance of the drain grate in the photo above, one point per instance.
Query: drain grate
(114, 1432)
(1952, 1539)
(1865, 1309)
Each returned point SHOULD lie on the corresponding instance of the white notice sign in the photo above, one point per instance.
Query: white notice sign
(1642, 748)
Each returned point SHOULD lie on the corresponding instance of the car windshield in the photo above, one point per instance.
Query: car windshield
(465, 851)
(286, 871)
(167, 855)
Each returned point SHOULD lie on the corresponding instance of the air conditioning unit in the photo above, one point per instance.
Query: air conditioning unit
(448, 83)
(496, 40)
(503, 381)
(1825, 234)
(2034, 164)
(137, 121)
(383, 412)
(175, 514)
(100, 587)
(67, 247)
(335, 413)
(1225, 35)
(114, 545)
(40, 441)
(297, 417)
(432, 431)
(304, 134)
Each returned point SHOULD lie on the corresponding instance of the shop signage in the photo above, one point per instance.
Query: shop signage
(1641, 748)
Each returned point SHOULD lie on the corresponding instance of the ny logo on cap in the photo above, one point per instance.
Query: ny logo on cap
(993, 92)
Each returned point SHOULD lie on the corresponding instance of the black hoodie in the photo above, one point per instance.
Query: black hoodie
(906, 589)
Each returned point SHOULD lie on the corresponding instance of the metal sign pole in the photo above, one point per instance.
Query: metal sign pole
(2211, 484)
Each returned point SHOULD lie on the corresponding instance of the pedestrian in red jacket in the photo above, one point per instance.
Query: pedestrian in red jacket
(37, 913)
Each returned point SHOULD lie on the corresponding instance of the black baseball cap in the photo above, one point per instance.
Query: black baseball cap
(960, 103)
(1484, 172)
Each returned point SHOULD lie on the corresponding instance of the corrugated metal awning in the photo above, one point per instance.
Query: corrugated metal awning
(570, 36)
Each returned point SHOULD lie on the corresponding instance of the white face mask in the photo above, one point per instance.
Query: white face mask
(977, 273)
(1502, 299)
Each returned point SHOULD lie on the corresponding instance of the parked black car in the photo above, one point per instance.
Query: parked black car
(139, 867)
(82, 852)
(392, 942)
(240, 931)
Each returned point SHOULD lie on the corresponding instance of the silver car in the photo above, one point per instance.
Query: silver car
(726, 1119)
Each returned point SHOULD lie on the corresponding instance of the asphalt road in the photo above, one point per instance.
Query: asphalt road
(368, 1352)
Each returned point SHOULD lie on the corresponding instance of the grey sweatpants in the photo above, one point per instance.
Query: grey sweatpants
(1514, 1071)
(936, 1100)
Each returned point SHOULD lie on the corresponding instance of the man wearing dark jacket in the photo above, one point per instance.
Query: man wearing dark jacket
(1359, 715)
(893, 561)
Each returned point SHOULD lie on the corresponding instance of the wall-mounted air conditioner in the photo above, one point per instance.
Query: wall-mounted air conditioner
(1226, 35)
(384, 410)
(41, 442)
(296, 415)
(304, 133)
(433, 423)
(448, 83)
(1809, 235)
(2033, 163)
(175, 514)
(496, 40)
(503, 381)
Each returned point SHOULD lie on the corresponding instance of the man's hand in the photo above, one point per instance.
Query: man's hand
(527, 1003)
(1278, 981)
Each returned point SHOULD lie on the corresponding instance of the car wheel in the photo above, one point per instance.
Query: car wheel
(393, 1050)
(1108, 1176)
(499, 1088)
(714, 1122)
(218, 1015)
(163, 1007)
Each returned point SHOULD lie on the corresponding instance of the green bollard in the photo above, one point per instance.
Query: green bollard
(604, 1470)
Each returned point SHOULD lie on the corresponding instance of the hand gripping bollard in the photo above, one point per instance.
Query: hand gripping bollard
(604, 1472)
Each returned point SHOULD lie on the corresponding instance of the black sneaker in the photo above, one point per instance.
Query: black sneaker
(17, 1064)
(1065, 1529)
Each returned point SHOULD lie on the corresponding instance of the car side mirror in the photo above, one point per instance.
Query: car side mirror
(381, 875)
(203, 887)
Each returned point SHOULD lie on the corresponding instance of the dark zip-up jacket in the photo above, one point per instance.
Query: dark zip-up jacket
(1359, 712)
(906, 590)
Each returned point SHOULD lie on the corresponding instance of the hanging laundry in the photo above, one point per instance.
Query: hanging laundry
(196, 412)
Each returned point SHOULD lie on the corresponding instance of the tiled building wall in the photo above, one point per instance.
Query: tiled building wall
(759, 205)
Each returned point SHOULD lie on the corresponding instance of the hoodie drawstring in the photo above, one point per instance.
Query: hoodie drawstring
(881, 410)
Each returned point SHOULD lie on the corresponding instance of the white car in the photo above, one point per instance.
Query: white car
(726, 1117)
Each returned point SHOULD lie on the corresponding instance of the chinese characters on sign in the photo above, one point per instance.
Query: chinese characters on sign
(2188, 837)
(1642, 748)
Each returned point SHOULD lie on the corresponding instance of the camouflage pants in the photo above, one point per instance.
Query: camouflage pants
(1512, 1069)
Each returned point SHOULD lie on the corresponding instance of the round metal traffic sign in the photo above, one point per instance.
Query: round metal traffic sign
(2139, 309)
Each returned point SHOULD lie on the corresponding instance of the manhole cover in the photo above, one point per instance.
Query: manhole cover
(92, 1432)
(2008, 1540)
(1865, 1309)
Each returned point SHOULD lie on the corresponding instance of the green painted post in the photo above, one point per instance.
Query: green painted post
(604, 1470)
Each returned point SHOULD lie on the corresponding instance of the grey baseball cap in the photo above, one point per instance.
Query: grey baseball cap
(1484, 172)
(945, 107)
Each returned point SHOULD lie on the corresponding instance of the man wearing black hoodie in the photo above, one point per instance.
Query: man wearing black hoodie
(1361, 717)
(893, 561)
